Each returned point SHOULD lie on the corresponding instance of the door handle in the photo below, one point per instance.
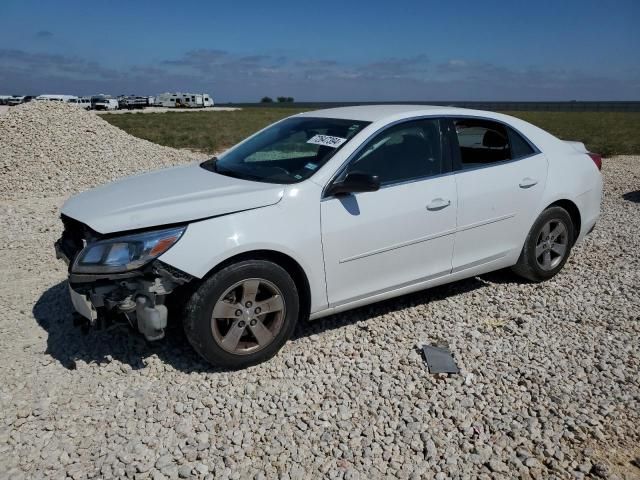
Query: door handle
(438, 204)
(528, 182)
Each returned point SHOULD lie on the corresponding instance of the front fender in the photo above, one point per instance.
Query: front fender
(292, 230)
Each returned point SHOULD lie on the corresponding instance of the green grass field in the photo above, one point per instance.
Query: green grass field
(607, 133)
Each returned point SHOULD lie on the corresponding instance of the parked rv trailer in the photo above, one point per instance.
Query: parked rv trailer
(58, 98)
(168, 99)
(184, 100)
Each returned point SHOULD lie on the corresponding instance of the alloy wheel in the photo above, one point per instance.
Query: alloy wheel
(248, 316)
(552, 244)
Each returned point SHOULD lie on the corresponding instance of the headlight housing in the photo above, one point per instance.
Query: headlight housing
(123, 254)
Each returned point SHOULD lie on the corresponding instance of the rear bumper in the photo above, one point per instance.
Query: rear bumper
(589, 206)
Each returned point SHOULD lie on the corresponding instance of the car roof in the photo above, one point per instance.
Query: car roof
(373, 113)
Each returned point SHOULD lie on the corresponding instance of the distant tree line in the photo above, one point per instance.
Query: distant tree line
(279, 99)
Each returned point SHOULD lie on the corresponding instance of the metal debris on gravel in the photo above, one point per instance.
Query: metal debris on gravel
(549, 384)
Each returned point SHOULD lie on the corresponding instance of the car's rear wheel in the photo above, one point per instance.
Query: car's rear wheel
(547, 246)
(243, 314)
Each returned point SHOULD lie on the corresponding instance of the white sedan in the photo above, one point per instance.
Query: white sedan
(323, 212)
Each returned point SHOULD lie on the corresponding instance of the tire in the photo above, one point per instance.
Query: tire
(538, 268)
(243, 314)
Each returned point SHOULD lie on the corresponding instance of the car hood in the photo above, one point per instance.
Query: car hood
(168, 196)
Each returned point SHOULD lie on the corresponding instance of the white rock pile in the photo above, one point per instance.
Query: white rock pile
(54, 149)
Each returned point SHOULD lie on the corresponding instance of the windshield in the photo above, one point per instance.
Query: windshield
(287, 152)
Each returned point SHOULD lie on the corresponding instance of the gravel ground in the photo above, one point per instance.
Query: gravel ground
(549, 388)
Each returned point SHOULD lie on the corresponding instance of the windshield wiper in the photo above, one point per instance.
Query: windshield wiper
(212, 166)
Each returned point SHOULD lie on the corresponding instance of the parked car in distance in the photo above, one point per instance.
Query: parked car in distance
(15, 100)
(323, 212)
(106, 104)
(132, 102)
(82, 102)
(85, 102)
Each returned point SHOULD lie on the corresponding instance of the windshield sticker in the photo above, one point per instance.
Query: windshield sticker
(327, 141)
(311, 166)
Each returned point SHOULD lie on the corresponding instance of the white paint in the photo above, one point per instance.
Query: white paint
(171, 195)
(377, 244)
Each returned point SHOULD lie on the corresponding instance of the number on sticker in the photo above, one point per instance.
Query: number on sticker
(327, 140)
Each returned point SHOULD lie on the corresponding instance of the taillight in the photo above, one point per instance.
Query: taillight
(597, 159)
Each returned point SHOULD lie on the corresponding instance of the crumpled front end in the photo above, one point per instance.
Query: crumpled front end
(138, 295)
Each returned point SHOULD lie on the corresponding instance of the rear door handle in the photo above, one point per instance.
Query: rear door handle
(438, 204)
(528, 182)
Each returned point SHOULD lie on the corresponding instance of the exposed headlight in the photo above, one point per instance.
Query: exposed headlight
(122, 254)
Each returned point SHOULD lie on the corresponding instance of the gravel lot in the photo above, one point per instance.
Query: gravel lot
(550, 384)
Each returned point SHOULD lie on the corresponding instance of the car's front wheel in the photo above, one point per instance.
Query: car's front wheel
(547, 246)
(242, 314)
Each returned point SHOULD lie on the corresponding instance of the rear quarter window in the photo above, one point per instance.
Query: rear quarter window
(519, 146)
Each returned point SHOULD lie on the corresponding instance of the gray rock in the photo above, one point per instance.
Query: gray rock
(184, 471)
(164, 461)
(601, 470)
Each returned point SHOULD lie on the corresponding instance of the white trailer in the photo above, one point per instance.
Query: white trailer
(184, 100)
(167, 99)
(57, 98)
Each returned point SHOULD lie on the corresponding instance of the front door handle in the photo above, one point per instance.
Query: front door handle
(438, 204)
(528, 182)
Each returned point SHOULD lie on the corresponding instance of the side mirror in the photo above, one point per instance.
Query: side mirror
(355, 182)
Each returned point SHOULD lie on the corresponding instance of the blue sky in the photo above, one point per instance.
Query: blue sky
(325, 51)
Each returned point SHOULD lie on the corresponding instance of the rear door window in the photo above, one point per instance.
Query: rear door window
(483, 142)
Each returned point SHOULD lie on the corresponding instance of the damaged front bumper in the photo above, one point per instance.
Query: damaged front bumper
(83, 306)
(138, 295)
